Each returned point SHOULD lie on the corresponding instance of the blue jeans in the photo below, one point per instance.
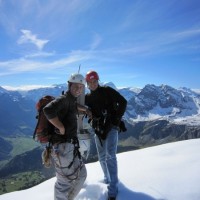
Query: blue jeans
(107, 157)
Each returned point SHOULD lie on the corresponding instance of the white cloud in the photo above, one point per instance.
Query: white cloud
(40, 54)
(28, 37)
(96, 41)
(27, 65)
(24, 87)
(188, 33)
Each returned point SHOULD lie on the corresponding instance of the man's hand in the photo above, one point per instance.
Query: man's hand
(60, 129)
(88, 113)
(85, 110)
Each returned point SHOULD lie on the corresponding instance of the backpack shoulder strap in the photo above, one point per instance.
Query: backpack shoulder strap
(38, 120)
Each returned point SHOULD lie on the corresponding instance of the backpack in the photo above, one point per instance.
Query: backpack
(44, 128)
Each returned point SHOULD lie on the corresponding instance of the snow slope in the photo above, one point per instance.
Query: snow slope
(166, 172)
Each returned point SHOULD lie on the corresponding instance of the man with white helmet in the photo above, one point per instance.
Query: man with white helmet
(62, 113)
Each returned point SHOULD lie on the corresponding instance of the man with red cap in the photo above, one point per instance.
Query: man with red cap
(107, 107)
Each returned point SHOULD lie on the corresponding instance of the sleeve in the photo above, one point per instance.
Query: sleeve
(119, 104)
(52, 109)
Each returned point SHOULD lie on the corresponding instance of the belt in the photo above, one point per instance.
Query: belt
(68, 140)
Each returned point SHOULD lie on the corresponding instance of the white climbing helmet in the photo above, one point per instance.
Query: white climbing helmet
(77, 78)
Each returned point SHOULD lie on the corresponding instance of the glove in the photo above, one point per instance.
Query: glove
(88, 113)
(122, 127)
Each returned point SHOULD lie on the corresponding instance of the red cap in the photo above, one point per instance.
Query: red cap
(91, 75)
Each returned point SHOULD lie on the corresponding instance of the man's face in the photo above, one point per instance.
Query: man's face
(76, 89)
(93, 84)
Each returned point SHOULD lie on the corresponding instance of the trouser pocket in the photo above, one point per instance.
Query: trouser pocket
(67, 164)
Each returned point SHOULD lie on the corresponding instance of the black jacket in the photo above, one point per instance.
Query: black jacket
(106, 100)
(65, 108)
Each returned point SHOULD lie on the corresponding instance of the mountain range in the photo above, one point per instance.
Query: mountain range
(145, 106)
(154, 115)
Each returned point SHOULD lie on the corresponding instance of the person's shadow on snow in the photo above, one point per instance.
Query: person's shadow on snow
(126, 193)
(99, 192)
(92, 192)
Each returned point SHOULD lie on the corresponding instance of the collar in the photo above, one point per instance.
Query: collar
(93, 91)
(68, 93)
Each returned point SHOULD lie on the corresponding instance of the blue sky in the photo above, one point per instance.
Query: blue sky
(131, 42)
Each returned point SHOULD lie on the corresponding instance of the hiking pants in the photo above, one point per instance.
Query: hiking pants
(108, 160)
(70, 179)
